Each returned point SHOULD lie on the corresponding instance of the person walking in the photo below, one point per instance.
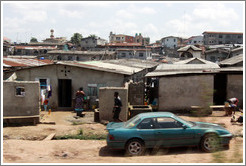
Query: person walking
(117, 107)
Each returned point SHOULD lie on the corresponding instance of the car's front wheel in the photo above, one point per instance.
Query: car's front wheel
(210, 143)
(135, 147)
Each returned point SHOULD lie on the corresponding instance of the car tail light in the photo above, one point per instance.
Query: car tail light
(111, 137)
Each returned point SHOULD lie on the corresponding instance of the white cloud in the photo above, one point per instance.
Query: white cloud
(72, 14)
(215, 11)
(150, 28)
(125, 14)
(146, 10)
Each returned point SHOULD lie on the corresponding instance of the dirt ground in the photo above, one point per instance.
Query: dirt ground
(26, 144)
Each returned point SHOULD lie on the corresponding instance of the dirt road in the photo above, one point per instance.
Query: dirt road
(26, 145)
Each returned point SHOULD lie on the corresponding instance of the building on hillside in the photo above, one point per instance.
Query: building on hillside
(189, 51)
(7, 49)
(28, 50)
(142, 40)
(62, 55)
(215, 38)
(54, 39)
(58, 42)
(120, 38)
(155, 48)
(194, 40)
(91, 42)
(222, 53)
(143, 54)
(116, 46)
(171, 42)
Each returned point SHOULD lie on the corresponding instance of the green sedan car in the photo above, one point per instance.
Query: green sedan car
(164, 130)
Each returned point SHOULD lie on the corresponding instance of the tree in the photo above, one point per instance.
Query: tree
(76, 38)
(92, 35)
(33, 40)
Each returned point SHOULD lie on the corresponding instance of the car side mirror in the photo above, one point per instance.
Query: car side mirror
(184, 126)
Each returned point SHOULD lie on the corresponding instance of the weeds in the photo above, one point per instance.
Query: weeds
(78, 123)
(220, 156)
(83, 136)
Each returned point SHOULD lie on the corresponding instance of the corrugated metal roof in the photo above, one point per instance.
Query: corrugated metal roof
(231, 69)
(80, 52)
(164, 73)
(236, 33)
(103, 66)
(186, 48)
(24, 62)
(35, 47)
(233, 60)
(133, 63)
(124, 44)
(187, 61)
(171, 67)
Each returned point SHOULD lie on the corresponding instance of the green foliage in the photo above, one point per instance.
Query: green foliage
(76, 38)
(33, 40)
(92, 35)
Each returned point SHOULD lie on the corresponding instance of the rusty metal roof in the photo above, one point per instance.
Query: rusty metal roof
(24, 62)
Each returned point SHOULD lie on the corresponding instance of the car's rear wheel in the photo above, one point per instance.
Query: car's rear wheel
(210, 143)
(135, 147)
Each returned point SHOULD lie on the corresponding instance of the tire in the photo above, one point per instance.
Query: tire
(210, 143)
(135, 147)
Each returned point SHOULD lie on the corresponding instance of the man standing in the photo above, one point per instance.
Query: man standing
(117, 107)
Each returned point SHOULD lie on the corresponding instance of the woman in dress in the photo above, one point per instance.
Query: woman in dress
(79, 100)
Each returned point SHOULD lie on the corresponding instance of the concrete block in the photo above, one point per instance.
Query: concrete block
(106, 102)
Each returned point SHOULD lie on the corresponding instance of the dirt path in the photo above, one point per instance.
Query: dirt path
(25, 144)
(82, 151)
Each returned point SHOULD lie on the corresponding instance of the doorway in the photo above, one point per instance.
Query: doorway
(220, 93)
(64, 93)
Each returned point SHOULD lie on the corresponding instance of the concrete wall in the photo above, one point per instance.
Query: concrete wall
(136, 93)
(80, 77)
(235, 87)
(106, 103)
(13, 105)
(182, 92)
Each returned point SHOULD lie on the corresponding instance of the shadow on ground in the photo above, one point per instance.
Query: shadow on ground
(106, 152)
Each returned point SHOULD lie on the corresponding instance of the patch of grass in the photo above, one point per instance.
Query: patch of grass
(220, 156)
(77, 123)
(82, 136)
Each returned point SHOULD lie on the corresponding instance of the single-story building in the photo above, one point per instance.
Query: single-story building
(65, 78)
(192, 82)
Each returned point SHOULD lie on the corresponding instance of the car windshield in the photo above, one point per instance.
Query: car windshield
(185, 121)
(132, 122)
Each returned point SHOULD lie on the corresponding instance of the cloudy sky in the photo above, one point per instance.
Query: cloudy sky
(23, 20)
